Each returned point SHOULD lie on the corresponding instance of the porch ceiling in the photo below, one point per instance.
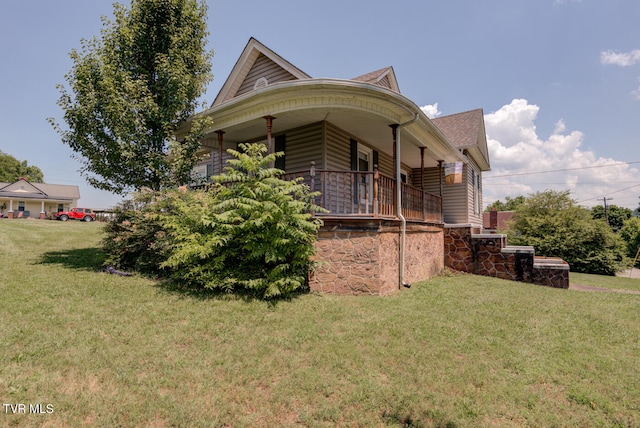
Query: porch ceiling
(367, 121)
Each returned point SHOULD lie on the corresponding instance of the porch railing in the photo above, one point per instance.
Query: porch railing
(372, 194)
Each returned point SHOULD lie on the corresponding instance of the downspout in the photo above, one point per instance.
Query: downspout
(403, 230)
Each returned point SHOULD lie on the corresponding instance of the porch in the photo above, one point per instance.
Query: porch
(368, 194)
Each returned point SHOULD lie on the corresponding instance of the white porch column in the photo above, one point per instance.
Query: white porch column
(10, 213)
(42, 210)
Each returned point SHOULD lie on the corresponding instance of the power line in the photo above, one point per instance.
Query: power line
(561, 170)
(611, 193)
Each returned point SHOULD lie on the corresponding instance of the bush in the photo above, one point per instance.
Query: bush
(250, 231)
(554, 225)
(630, 233)
(136, 238)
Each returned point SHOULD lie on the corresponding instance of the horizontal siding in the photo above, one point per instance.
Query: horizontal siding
(338, 148)
(339, 154)
(455, 203)
(474, 209)
(264, 67)
(212, 162)
(303, 146)
(431, 179)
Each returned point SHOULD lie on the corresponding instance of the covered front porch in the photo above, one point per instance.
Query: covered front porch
(368, 194)
(351, 142)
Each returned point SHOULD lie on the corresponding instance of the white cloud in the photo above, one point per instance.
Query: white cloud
(431, 110)
(516, 148)
(624, 59)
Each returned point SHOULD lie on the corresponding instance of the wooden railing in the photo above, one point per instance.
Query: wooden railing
(360, 193)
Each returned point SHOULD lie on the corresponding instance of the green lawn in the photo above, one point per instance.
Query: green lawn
(457, 351)
(611, 282)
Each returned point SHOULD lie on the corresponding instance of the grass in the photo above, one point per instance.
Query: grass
(611, 282)
(456, 351)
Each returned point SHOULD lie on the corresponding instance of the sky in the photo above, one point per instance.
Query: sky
(558, 80)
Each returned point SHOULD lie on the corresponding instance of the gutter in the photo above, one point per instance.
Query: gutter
(403, 230)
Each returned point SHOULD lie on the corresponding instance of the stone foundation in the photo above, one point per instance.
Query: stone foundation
(361, 256)
(468, 251)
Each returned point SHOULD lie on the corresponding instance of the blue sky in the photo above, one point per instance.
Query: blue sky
(559, 80)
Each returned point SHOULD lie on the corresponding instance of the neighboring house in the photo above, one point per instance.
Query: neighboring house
(497, 220)
(25, 199)
(354, 140)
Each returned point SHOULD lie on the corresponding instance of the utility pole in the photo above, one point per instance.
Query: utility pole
(606, 214)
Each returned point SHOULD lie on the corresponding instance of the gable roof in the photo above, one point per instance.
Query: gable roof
(255, 58)
(259, 66)
(385, 77)
(24, 189)
(466, 132)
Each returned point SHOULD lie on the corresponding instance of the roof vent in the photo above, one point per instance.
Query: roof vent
(261, 83)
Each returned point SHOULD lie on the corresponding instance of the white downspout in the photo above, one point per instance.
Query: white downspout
(403, 230)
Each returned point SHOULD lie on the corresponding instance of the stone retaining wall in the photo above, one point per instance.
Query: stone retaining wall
(489, 255)
(362, 256)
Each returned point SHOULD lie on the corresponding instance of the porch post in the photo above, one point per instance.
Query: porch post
(10, 213)
(394, 133)
(220, 134)
(422, 207)
(269, 120)
(42, 210)
(376, 184)
(422, 168)
(312, 174)
(440, 178)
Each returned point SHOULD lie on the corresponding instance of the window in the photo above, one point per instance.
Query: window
(199, 174)
(475, 185)
(404, 175)
(20, 205)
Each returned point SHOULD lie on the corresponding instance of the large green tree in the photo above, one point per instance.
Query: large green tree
(509, 204)
(614, 215)
(11, 169)
(555, 225)
(131, 89)
(630, 233)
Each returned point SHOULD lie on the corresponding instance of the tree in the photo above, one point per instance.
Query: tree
(615, 215)
(555, 225)
(131, 89)
(510, 204)
(630, 233)
(11, 169)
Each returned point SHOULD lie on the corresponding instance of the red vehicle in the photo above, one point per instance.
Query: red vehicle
(85, 214)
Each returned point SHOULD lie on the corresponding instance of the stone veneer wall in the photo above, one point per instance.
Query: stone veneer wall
(468, 251)
(458, 253)
(361, 256)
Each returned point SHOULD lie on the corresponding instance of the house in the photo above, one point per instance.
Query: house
(25, 199)
(377, 160)
(497, 220)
